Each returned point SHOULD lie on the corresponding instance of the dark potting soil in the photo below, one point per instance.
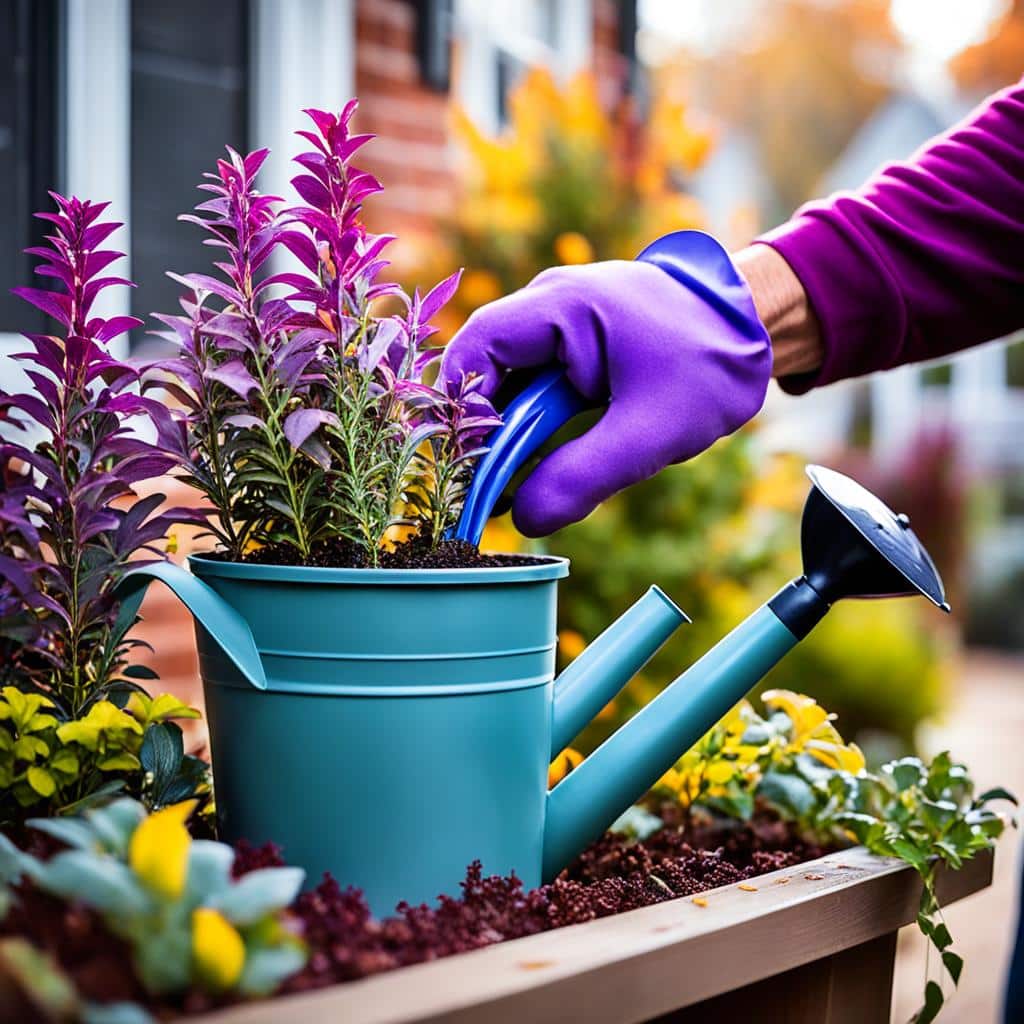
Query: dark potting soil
(415, 553)
(346, 942)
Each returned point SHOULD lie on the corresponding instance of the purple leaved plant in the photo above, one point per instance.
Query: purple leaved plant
(70, 518)
(304, 419)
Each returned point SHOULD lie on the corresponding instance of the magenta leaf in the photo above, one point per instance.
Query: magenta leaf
(438, 296)
(57, 306)
(235, 376)
(303, 422)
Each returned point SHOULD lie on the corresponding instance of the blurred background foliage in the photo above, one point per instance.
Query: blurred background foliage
(568, 183)
(720, 535)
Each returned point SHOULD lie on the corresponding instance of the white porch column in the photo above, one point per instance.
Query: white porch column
(980, 402)
(575, 35)
(303, 55)
(96, 121)
(895, 410)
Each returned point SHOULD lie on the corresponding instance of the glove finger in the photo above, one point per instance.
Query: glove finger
(573, 480)
(512, 333)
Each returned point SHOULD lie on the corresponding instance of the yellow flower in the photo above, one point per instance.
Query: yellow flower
(158, 851)
(218, 952)
(814, 732)
(846, 757)
(562, 765)
(571, 248)
(571, 643)
(171, 547)
(478, 287)
(804, 712)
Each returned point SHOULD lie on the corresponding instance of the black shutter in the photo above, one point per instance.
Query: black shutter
(627, 39)
(28, 146)
(434, 42)
(189, 82)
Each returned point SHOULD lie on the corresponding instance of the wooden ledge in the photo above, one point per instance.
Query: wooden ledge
(638, 965)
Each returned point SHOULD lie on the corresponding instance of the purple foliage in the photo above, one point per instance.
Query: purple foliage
(68, 521)
(304, 418)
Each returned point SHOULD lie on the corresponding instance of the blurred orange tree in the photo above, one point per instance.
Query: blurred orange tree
(567, 182)
(997, 60)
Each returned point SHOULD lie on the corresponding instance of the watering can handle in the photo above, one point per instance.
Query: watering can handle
(228, 629)
(547, 403)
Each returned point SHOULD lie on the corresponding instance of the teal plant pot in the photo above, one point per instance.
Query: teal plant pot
(405, 728)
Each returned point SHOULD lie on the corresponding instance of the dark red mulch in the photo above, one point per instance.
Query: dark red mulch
(612, 876)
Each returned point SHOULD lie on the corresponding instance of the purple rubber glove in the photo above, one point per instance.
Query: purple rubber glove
(671, 343)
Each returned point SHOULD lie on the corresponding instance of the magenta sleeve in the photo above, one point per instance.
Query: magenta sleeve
(926, 258)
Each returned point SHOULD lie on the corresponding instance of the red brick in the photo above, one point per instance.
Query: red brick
(395, 14)
(387, 60)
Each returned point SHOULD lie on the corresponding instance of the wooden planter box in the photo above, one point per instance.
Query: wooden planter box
(813, 943)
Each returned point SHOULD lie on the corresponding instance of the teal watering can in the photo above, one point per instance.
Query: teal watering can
(392, 725)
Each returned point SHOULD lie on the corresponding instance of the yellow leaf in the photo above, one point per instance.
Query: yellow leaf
(838, 756)
(573, 248)
(158, 851)
(719, 771)
(148, 709)
(218, 952)
(120, 762)
(41, 781)
(27, 747)
(786, 700)
(39, 721)
(562, 765)
(103, 717)
(571, 643)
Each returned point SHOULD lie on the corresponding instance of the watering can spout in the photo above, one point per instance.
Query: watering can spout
(211, 612)
(603, 669)
(852, 546)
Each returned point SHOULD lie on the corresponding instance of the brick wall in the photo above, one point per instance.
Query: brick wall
(412, 154)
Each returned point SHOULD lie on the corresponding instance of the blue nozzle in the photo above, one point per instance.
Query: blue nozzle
(530, 419)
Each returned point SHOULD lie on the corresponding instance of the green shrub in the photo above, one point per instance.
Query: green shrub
(50, 766)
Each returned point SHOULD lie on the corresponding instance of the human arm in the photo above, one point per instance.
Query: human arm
(925, 259)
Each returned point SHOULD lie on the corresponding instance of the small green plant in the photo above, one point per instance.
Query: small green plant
(775, 758)
(188, 922)
(54, 766)
(926, 815)
(793, 762)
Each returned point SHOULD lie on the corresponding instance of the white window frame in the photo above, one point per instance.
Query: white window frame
(483, 32)
(302, 54)
(94, 97)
